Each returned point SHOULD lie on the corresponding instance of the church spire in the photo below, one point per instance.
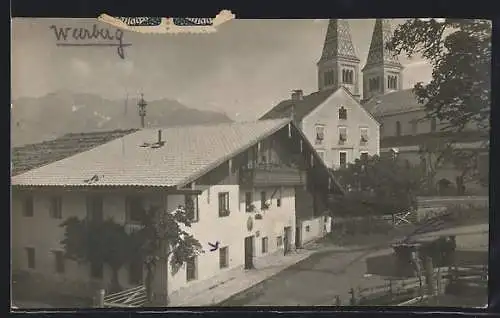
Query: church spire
(383, 71)
(339, 64)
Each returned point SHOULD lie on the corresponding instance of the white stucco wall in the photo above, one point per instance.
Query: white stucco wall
(44, 233)
(357, 118)
(318, 227)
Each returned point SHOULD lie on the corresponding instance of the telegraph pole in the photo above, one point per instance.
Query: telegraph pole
(142, 109)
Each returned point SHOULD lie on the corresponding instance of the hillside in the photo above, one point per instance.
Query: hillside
(51, 116)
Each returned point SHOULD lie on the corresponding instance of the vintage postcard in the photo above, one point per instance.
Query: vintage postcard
(179, 162)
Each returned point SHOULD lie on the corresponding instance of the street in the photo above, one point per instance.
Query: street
(325, 275)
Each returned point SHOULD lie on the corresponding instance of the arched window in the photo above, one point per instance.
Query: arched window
(433, 124)
(398, 128)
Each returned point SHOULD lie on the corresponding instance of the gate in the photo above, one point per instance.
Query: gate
(134, 297)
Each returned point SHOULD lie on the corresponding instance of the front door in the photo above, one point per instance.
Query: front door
(297, 237)
(249, 252)
(286, 239)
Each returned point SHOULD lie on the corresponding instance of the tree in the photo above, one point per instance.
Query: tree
(378, 186)
(459, 51)
(97, 242)
(162, 238)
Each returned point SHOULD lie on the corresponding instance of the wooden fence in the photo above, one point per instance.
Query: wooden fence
(411, 290)
(134, 297)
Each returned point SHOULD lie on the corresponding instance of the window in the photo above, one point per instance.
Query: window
(342, 113)
(279, 241)
(364, 156)
(96, 270)
(320, 133)
(433, 124)
(398, 128)
(95, 208)
(59, 261)
(321, 154)
(135, 272)
(223, 257)
(414, 127)
(364, 135)
(392, 82)
(134, 209)
(342, 135)
(28, 206)
(223, 204)
(249, 202)
(263, 199)
(56, 207)
(308, 228)
(329, 78)
(191, 269)
(343, 159)
(191, 204)
(30, 257)
(347, 76)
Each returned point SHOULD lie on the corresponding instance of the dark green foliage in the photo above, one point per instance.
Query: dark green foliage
(160, 238)
(459, 93)
(377, 186)
(100, 242)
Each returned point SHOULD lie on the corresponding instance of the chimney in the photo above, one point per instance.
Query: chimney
(297, 94)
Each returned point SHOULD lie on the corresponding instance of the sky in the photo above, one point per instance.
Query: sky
(243, 69)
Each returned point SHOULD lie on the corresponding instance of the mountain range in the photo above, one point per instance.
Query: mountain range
(53, 115)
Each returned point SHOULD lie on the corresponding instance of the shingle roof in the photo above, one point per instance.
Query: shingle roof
(391, 103)
(301, 107)
(33, 156)
(188, 151)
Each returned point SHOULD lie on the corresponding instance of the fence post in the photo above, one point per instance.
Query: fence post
(429, 276)
(99, 299)
(353, 297)
(337, 301)
(439, 282)
(391, 292)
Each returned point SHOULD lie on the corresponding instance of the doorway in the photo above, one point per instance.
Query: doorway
(249, 252)
(286, 239)
(297, 237)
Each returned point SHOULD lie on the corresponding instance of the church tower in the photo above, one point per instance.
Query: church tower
(383, 73)
(339, 65)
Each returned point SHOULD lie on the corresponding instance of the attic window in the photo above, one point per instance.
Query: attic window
(342, 113)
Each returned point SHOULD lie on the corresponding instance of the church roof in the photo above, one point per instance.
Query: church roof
(301, 107)
(391, 103)
(338, 42)
(378, 53)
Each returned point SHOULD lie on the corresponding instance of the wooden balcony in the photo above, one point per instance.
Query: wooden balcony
(271, 175)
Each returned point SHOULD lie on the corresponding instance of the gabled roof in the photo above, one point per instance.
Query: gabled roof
(33, 156)
(301, 108)
(392, 103)
(136, 160)
(127, 161)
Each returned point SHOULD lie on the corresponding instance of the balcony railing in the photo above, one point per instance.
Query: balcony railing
(272, 175)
